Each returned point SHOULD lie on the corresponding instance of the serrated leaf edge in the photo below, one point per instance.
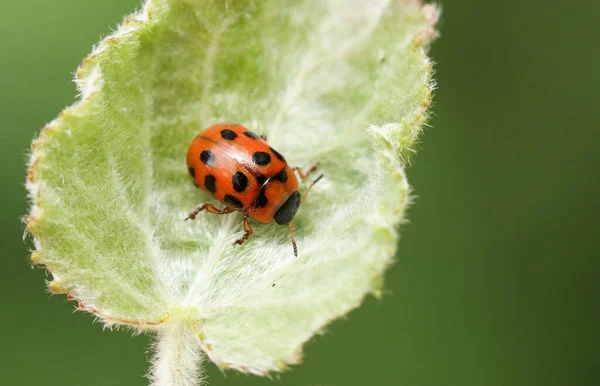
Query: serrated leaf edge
(89, 79)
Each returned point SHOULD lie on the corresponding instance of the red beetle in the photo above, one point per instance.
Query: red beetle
(241, 170)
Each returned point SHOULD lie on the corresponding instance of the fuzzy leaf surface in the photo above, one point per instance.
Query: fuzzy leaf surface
(342, 83)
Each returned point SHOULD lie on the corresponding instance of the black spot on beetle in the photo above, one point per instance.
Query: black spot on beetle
(228, 134)
(261, 200)
(281, 176)
(261, 179)
(250, 134)
(210, 183)
(240, 182)
(278, 154)
(261, 158)
(192, 172)
(233, 201)
(208, 158)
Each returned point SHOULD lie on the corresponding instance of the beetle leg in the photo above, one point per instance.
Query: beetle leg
(264, 137)
(247, 230)
(309, 187)
(301, 172)
(210, 208)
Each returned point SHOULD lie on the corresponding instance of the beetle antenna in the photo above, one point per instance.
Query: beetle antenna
(293, 239)
(309, 187)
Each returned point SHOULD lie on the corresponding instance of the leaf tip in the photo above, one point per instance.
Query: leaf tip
(57, 287)
(377, 285)
(281, 366)
(36, 257)
(36, 216)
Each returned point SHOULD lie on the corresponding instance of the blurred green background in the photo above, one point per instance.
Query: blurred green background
(497, 279)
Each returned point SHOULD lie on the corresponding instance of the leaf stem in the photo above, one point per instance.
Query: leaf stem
(177, 357)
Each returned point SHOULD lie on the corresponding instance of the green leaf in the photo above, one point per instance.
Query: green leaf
(344, 84)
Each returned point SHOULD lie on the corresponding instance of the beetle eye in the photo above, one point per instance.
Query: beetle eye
(288, 210)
